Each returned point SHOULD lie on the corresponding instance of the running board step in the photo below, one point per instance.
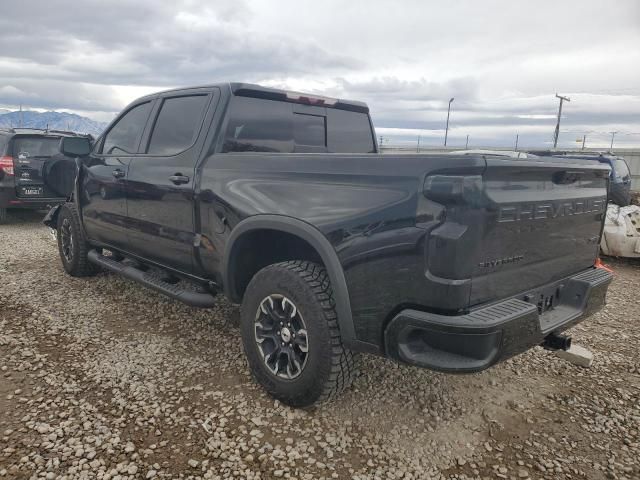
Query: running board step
(153, 281)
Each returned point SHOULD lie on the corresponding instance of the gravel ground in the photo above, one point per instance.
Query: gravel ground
(102, 378)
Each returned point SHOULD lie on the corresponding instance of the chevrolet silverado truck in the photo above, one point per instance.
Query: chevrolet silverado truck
(282, 201)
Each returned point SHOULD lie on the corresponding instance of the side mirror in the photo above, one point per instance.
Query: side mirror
(75, 146)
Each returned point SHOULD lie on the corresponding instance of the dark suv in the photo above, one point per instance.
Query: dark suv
(33, 172)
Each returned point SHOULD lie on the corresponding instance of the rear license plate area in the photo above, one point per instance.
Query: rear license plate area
(545, 299)
(30, 191)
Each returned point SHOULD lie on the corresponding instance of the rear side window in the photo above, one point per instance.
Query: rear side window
(125, 135)
(348, 132)
(257, 125)
(31, 147)
(177, 124)
(3, 144)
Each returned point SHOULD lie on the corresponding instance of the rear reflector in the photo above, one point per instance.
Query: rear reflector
(601, 265)
(6, 164)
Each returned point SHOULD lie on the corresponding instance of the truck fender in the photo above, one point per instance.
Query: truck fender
(313, 237)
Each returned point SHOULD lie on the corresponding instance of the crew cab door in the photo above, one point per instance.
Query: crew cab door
(160, 182)
(102, 193)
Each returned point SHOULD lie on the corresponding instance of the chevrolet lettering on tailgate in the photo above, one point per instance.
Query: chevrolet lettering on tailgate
(546, 210)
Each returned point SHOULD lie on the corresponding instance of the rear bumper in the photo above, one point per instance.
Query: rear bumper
(8, 199)
(490, 334)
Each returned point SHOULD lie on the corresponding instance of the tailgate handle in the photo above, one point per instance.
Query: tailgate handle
(117, 173)
(566, 177)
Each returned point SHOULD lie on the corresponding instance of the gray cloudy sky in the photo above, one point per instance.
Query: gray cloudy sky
(501, 60)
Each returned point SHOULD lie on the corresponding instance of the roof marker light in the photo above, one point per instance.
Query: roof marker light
(310, 100)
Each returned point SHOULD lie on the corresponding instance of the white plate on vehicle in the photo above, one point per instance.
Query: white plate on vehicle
(31, 191)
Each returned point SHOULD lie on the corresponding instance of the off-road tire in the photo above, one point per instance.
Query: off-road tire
(3, 215)
(330, 367)
(78, 264)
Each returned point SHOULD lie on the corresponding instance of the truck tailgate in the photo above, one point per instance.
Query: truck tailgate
(543, 220)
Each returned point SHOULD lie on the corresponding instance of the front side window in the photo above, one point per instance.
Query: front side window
(258, 125)
(177, 125)
(125, 135)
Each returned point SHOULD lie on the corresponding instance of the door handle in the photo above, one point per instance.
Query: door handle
(117, 173)
(179, 179)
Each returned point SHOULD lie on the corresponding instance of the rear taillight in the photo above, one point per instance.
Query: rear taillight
(6, 165)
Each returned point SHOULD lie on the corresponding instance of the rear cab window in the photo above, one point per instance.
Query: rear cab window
(264, 125)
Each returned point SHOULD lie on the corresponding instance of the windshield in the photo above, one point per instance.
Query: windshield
(620, 168)
(29, 147)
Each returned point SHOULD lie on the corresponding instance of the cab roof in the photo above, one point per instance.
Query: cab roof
(258, 91)
(40, 131)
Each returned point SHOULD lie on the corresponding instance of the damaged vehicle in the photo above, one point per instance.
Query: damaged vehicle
(621, 237)
(33, 172)
(281, 201)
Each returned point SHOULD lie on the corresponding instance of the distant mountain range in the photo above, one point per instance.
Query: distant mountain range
(51, 120)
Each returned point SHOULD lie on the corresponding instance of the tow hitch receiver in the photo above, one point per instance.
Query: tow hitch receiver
(554, 341)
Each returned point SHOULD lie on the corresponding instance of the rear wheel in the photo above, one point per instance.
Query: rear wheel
(72, 246)
(3, 215)
(291, 336)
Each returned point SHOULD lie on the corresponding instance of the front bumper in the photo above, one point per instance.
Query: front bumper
(490, 334)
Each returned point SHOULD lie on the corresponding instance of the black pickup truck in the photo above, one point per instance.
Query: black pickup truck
(282, 201)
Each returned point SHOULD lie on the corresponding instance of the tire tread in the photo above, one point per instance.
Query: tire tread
(343, 361)
(81, 267)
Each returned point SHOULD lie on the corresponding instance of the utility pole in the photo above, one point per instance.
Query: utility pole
(584, 139)
(613, 134)
(517, 137)
(380, 143)
(20, 115)
(446, 132)
(418, 148)
(557, 132)
(466, 145)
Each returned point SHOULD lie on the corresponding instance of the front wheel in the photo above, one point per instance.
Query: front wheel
(291, 336)
(72, 246)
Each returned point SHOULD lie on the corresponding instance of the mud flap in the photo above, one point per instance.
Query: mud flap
(51, 218)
